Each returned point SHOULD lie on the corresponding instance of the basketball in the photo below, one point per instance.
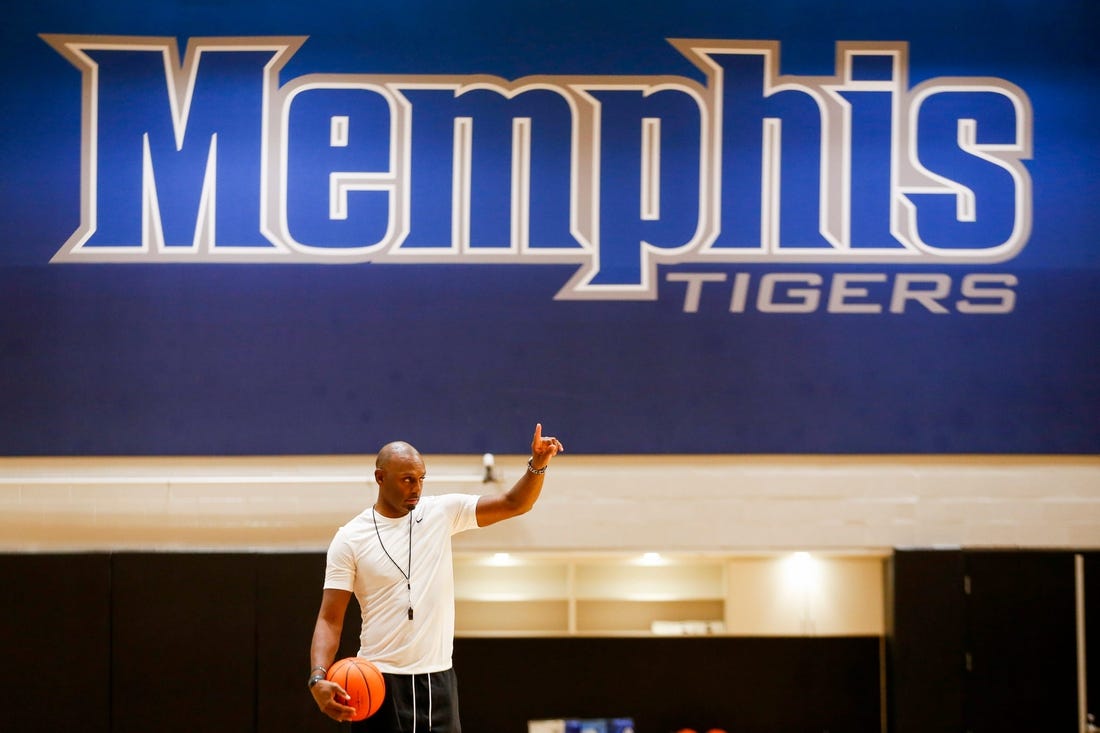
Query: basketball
(362, 681)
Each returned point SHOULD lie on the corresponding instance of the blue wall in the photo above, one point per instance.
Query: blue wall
(908, 266)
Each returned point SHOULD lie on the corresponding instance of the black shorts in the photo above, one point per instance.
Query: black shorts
(420, 703)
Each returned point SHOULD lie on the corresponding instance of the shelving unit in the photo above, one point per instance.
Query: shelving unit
(511, 596)
(628, 595)
(648, 594)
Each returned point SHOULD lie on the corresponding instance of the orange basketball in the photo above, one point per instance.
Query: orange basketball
(362, 681)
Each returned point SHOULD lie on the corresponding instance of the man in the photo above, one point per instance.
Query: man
(395, 558)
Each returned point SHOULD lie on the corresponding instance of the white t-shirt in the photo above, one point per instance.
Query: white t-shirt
(375, 573)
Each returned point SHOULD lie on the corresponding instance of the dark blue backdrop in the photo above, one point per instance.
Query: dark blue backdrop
(103, 358)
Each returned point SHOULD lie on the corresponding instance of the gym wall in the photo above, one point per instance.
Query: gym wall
(781, 275)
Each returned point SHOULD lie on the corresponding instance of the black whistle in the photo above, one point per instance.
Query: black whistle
(410, 613)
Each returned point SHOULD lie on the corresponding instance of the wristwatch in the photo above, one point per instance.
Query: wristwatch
(315, 675)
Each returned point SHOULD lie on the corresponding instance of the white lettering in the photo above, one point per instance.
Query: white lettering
(785, 292)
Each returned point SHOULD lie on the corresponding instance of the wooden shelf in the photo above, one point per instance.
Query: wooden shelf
(618, 594)
(639, 616)
(668, 582)
(526, 618)
(490, 579)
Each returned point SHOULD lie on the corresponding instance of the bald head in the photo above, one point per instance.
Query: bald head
(398, 450)
(399, 471)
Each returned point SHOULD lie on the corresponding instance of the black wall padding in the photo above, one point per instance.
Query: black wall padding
(55, 635)
(763, 685)
(1021, 635)
(985, 640)
(926, 641)
(183, 651)
(211, 642)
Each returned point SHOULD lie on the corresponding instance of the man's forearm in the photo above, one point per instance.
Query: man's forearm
(525, 492)
(326, 642)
